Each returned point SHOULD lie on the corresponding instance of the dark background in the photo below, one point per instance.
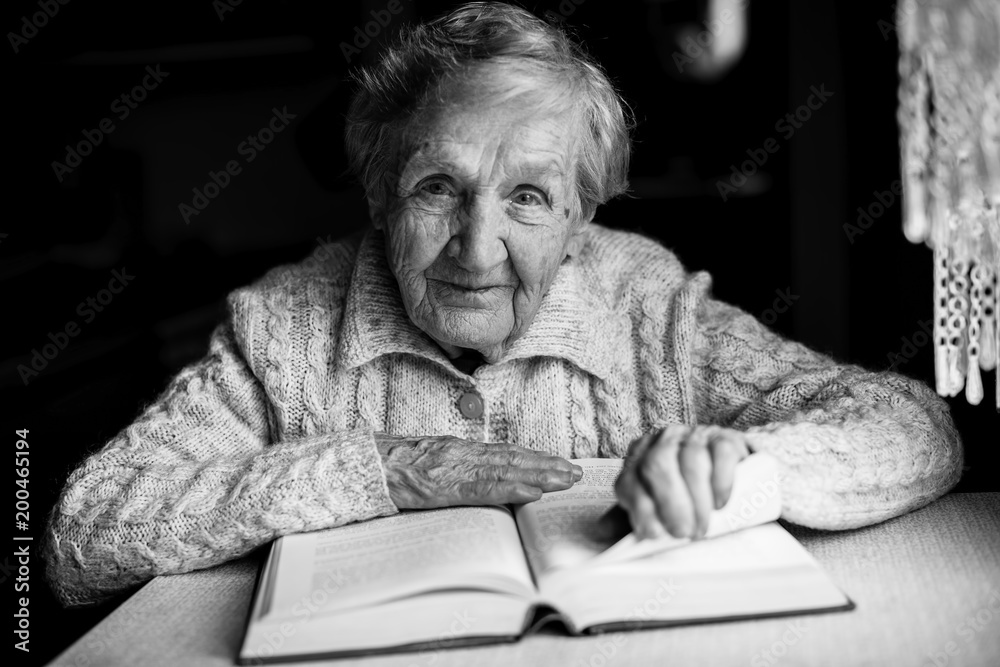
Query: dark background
(783, 231)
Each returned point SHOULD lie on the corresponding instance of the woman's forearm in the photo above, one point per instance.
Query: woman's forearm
(195, 481)
(857, 446)
(124, 518)
(878, 446)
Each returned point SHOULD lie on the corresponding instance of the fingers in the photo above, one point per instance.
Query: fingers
(641, 510)
(627, 477)
(491, 492)
(500, 473)
(546, 479)
(695, 463)
(516, 457)
(442, 471)
(632, 492)
(727, 449)
(674, 479)
(661, 477)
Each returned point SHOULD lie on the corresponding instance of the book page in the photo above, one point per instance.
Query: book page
(405, 554)
(754, 500)
(564, 529)
(747, 573)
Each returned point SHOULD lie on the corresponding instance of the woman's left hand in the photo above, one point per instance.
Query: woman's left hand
(674, 478)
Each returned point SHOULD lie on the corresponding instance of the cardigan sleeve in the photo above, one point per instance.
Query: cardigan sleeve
(856, 447)
(196, 481)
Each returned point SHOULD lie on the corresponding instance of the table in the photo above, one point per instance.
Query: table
(927, 588)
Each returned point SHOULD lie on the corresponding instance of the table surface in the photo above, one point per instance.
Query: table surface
(926, 585)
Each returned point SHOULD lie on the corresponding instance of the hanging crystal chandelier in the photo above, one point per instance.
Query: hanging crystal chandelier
(949, 118)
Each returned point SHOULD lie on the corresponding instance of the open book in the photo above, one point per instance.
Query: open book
(467, 575)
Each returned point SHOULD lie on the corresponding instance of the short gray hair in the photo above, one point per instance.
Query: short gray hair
(412, 73)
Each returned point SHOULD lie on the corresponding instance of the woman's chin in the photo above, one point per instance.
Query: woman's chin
(484, 335)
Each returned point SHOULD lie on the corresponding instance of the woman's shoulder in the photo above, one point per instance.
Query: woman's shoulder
(631, 260)
(318, 282)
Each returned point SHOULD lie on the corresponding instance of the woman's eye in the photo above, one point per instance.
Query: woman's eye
(528, 198)
(437, 188)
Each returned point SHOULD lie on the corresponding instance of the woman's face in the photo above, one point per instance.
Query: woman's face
(478, 221)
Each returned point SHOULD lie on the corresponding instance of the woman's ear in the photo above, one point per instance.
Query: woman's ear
(577, 237)
(576, 241)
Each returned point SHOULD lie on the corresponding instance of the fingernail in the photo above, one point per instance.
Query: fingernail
(682, 529)
(557, 478)
(655, 531)
(529, 495)
(577, 472)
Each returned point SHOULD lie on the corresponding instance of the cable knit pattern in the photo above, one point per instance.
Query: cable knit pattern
(857, 447)
(271, 433)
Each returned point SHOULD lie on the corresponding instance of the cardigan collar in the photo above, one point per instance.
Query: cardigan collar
(572, 323)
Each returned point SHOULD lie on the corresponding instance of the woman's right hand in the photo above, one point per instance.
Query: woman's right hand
(441, 471)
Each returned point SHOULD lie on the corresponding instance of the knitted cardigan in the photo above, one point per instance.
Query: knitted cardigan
(272, 432)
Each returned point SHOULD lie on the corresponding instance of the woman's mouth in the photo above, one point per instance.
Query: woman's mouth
(469, 295)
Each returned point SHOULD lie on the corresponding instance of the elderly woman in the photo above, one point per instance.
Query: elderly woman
(483, 332)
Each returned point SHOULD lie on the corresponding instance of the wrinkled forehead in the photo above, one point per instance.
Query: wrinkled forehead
(478, 139)
(506, 114)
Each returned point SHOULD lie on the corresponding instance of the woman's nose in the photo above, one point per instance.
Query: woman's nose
(478, 245)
